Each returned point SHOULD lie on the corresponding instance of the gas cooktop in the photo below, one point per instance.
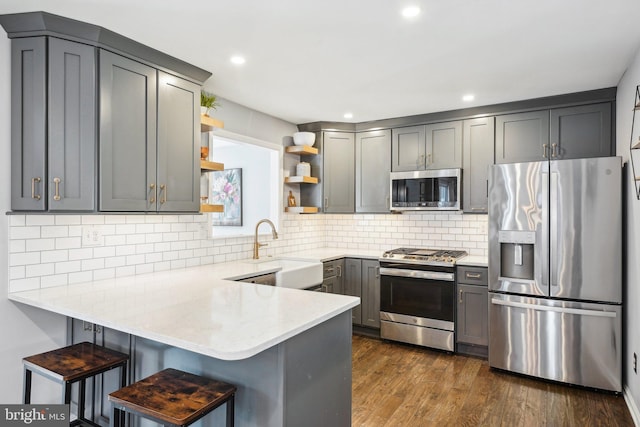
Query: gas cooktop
(423, 256)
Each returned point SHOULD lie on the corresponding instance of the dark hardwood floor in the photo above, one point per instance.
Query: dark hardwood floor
(400, 385)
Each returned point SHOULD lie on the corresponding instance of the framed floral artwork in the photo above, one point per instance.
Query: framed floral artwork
(226, 190)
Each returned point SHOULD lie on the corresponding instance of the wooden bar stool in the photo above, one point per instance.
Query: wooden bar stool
(72, 364)
(172, 397)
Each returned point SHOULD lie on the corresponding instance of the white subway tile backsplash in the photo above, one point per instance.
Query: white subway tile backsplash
(136, 244)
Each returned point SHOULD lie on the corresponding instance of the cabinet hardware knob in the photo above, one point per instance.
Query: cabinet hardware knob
(460, 297)
(33, 188)
(56, 195)
(544, 151)
(554, 151)
(473, 275)
(339, 270)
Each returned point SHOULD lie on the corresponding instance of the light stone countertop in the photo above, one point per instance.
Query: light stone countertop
(474, 261)
(195, 308)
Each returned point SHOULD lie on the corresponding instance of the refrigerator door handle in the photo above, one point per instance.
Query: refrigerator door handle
(578, 311)
(541, 250)
(554, 219)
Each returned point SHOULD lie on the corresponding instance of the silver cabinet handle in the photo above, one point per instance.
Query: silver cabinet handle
(378, 272)
(554, 151)
(33, 188)
(152, 187)
(163, 193)
(326, 202)
(472, 275)
(544, 150)
(460, 297)
(429, 161)
(339, 270)
(56, 193)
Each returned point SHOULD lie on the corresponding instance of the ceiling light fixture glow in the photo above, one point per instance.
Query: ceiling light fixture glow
(238, 60)
(468, 98)
(411, 11)
(348, 115)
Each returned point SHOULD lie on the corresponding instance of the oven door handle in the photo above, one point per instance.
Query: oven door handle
(416, 274)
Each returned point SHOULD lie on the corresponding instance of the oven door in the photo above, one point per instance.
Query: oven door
(420, 298)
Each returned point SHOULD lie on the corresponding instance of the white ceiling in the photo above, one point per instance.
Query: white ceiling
(315, 60)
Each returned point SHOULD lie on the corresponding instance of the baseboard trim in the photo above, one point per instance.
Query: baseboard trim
(631, 404)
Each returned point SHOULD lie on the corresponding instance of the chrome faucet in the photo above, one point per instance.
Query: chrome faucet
(256, 245)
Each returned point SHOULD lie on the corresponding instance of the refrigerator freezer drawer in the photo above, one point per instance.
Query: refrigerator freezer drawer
(571, 342)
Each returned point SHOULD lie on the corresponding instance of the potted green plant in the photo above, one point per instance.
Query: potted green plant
(207, 102)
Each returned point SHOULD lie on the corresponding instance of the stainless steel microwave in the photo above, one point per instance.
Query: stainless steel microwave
(436, 189)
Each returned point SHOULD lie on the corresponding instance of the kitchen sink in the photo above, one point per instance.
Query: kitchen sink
(293, 273)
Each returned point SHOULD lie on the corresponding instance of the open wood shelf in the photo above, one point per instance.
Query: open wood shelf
(301, 149)
(207, 124)
(301, 209)
(211, 208)
(206, 165)
(301, 180)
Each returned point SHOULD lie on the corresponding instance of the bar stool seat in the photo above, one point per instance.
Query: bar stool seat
(173, 397)
(72, 364)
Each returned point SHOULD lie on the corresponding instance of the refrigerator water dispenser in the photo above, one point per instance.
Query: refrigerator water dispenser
(517, 257)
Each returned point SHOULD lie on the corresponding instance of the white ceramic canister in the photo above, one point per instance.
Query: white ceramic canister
(303, 169)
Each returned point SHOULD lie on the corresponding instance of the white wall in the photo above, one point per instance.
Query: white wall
(23, 330)
(625, 99)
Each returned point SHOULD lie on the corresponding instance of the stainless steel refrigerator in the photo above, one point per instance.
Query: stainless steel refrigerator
(555, 270)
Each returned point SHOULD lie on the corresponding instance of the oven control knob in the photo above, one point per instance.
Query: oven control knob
(384, 255)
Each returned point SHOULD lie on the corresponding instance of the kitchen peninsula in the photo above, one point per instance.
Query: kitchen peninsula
(288, 351)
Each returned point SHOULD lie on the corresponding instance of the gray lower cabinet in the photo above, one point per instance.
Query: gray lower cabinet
(478, 148)
(472, 333)
(338, 172)
(372, 171)
(433, 146)
(362, 279)
(560, 133)
(53, 125)
(148, 142)
(332, 277)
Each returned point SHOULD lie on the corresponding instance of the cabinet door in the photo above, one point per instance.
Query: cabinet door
(371, 293)
(178, 144)
(72, 126)
(478, 137)
(372, 171)
(28, 123)
(444, 145)
(472, 315)
(581, 132)
(408, 150)
(522, 137)
(353, 286)
(127, 134)
(339, 172)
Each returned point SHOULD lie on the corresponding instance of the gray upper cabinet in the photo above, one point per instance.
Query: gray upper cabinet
(522, 137)
(434, 146)
(28, 124)
(444, 145)
(372, 171)
(178, 168)
(478, 137)
(72, 126)
(127, 134)
(408, 151)
(61, 124)
(560, 133)
(581, 132)
(338, 172)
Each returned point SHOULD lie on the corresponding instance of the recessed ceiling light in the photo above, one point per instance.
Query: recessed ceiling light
(468, 98)
(411, 11)
(348, 115)
(238, 60)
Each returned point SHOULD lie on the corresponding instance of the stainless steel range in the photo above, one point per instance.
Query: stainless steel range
(417, 296)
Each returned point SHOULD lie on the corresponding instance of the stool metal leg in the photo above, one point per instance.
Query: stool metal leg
(117, 418)
(81, 399)
(26, 386)
(230, 410)
(67, 393)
